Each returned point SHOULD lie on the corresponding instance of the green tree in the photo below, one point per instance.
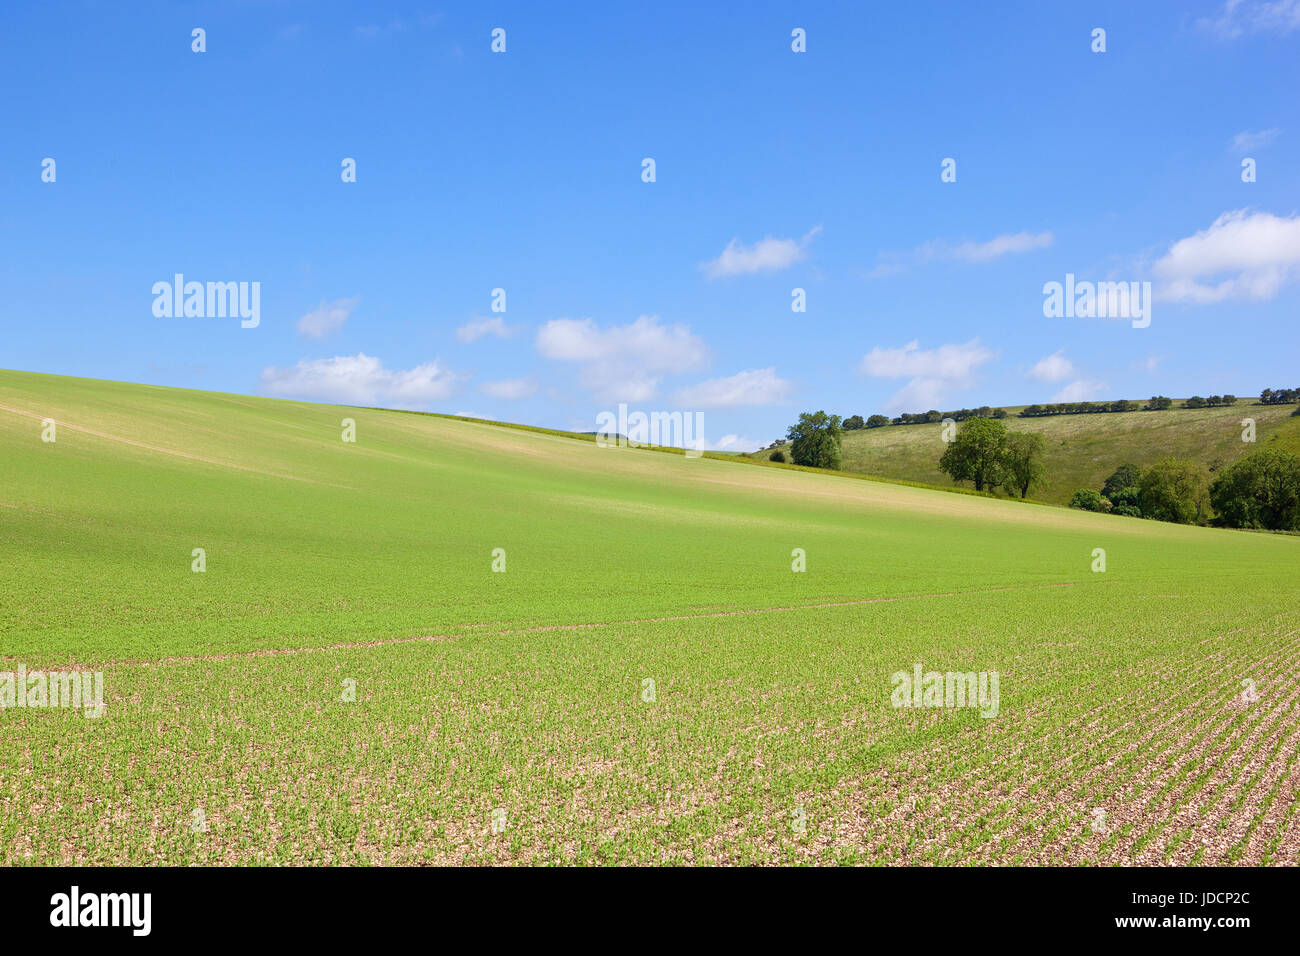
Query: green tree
(1088, 500)
(815, 440)
(1174, 489)
(875, 421)
(1262, 490)
(853, 423)
(1123, 477)
(977, 454)
(1023, 461)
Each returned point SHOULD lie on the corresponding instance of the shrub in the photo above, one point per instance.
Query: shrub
(1129, 511)
(1088, 500)
(777, 455)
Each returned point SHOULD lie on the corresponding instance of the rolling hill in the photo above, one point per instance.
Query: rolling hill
(1082, 450)
(449, 641)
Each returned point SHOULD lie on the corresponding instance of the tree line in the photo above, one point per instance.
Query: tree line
(1279, 396)
(1260, 490)
(933, 416)
(1157, 403)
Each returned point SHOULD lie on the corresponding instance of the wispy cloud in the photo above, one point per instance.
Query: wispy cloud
(475, 329)
(734, 443)
(766, 255)
(894, 263)
(934, 373)
(1240, 17)
(327, 318)
(622, 362)
(360, 380)
(999, 246)
(760, 386)
(1246, 141)
(1242, 255)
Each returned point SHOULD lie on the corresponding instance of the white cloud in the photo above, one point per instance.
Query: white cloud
(477, 328)
(735, 443)
(1246, 141)
(1000, 246)
(1081, 390)
(360, 380)
(327, 318)
(1252, 255)
(510, 389)
(1239, 17)
(624, 362)
(933, 373)
(760, 386)
(1053, 368)
(893, 263)
(766, 255)
(955, 362)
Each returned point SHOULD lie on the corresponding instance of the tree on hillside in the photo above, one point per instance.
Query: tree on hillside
(853, 423)
(1174, 489)
(1023, 461)
(815, 440)
(875, 421)
(1088, 500)
(1261, 490)
(1159, 403)
(977, 454)
(1125, 476)
(1123, 490)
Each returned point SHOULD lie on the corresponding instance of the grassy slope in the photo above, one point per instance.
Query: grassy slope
(313, 543)
(1082, 450)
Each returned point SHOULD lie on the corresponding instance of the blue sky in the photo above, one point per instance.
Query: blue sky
(775, 170)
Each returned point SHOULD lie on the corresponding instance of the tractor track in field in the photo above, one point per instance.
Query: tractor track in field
(476, 629)
(109, 436)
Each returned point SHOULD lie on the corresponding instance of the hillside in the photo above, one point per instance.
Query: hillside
(676, 659)
(1082, 450)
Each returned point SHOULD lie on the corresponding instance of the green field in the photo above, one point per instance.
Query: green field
(1082, 450)
(507, 717)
